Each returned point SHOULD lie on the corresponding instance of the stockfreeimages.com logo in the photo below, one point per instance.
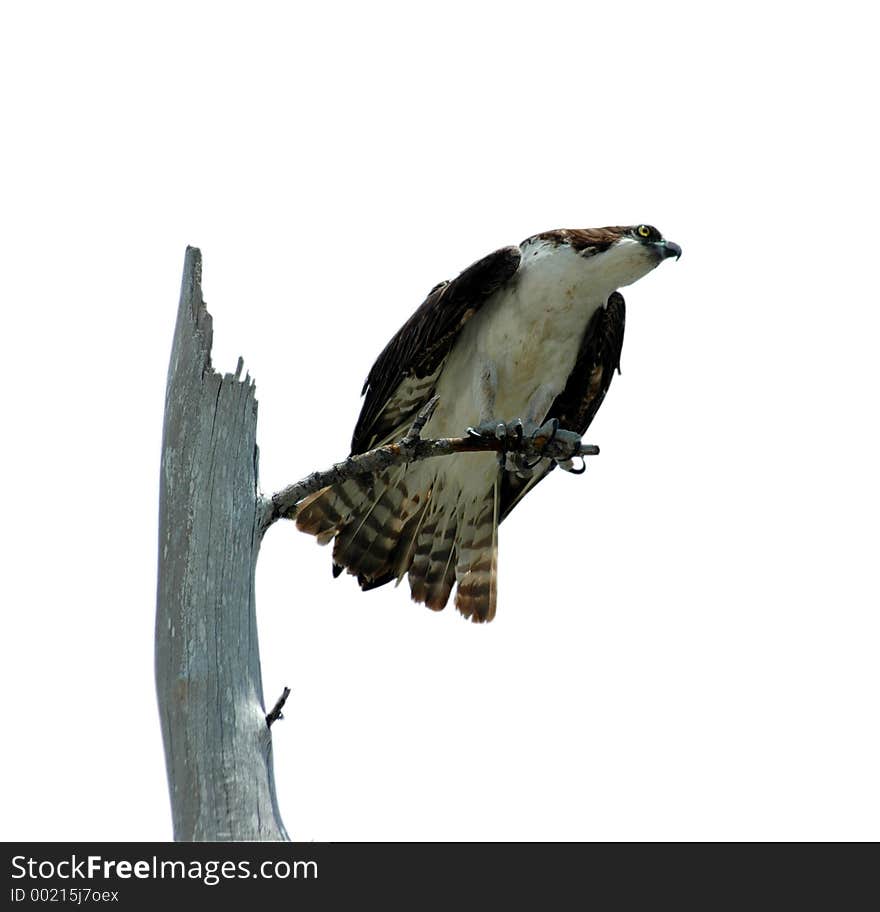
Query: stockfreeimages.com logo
(208, 872)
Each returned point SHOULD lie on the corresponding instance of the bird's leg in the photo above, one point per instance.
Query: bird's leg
(515, 427)
(487, 388)
(539, 404)
(485, 392)
(527, 425)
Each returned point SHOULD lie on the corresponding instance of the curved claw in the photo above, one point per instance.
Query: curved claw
(511, 434)
(567, 466)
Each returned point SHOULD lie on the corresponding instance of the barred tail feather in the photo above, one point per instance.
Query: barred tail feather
(323, 513)
(418, 569)
(364, 515)
(406, 545)
(409, 522)
(365, 542)
(440, 573)
(476, 571)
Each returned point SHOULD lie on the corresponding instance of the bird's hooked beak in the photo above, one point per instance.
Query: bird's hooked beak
(667, 249)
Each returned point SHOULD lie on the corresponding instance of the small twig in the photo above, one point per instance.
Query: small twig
(275, 714)
(413, 448)
(424, 415)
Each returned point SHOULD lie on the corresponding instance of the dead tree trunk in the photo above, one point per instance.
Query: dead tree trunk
(218, 748)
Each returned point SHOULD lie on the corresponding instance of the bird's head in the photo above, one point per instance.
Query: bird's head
(636, 250)
(653, 244)
(633, 252)
(618, 255)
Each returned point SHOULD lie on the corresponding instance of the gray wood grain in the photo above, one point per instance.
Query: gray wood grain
(218, 746)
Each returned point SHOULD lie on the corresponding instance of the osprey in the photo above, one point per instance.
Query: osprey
(525, 335)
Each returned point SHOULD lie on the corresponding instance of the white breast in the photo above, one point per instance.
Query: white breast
(531, 330)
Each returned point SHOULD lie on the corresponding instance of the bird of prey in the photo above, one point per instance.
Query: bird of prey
(525, 336)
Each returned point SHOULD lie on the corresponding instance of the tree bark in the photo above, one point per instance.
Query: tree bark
(218, 748)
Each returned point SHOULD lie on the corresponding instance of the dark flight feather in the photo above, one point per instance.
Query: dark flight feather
(423, 343)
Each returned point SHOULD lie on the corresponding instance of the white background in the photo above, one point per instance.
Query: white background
(687, 636)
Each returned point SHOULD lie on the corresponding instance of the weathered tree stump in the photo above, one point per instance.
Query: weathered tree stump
(218, 747)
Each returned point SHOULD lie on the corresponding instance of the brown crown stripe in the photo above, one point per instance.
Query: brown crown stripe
(580, 239)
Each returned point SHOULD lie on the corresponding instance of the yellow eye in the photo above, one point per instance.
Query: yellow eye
(644, 231)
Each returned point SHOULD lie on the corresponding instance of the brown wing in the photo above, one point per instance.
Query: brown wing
(577, 404)
(403, 377)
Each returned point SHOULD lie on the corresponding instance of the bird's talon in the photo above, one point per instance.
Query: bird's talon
(546, 433)
(568, 466)
(512, 433)
(570, 441)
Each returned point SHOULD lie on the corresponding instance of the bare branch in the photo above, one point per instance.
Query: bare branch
(275, 714)
(413, 449)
